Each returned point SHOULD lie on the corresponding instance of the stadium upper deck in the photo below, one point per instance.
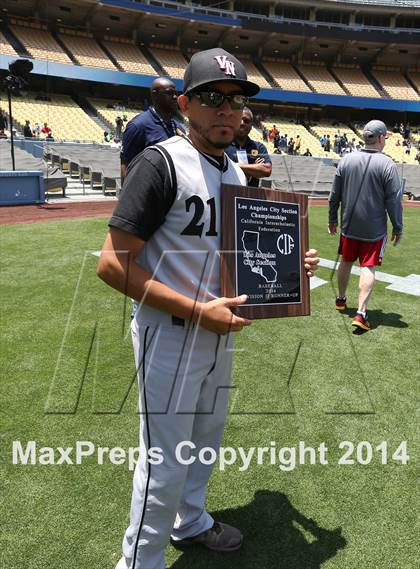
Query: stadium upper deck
(277, 61)
(329, 53)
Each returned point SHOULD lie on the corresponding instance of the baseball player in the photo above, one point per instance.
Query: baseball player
(367, 186)
(162, 249)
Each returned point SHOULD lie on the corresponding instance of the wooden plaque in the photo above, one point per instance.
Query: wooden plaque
(264, 240)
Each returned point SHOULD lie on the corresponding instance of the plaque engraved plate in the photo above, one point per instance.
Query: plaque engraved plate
(264, 239)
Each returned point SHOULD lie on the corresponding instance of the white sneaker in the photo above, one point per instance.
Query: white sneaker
(121, 564)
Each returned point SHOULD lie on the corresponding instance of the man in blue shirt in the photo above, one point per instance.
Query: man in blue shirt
(251, 155)
(155, 125)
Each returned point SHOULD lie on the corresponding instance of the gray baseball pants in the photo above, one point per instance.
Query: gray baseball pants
(184, 374)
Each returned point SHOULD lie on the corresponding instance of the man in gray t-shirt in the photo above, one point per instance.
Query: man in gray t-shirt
(367, 187)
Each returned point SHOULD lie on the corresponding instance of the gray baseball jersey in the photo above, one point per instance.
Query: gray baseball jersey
(367, 186)
(171, 200)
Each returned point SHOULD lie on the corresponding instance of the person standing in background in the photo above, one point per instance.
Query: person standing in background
(367, 187)
(158, 123)
(37, 130)
(27, 132)
(3, 121)
(119, 124)
(251, 155)
(297, 144)
(45, 129)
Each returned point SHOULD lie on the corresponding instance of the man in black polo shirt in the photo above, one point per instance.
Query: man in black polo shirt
(251, 155)
(155, 125)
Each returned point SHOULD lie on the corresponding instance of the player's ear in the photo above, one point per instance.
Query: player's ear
(183, 103)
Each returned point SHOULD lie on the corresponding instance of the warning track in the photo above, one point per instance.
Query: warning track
(10, 215)
(52, 212)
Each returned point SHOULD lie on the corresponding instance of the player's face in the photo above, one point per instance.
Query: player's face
(212, 128)
(246, 124)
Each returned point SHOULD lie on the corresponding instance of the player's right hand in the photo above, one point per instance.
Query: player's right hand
(332, 228)
(217, 316)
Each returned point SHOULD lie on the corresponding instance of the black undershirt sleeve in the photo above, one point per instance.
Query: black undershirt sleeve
(148, 193)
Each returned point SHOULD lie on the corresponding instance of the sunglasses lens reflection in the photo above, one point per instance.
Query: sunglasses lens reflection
(214, 99)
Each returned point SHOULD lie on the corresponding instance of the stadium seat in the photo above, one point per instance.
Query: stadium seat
(86, 50)
(5, 47)
(285, 76)
(253, 72)
(308, 140)
(40, 44)
(170, 59)
(415, 78)
(129, 57)
(355, 81)
(321, 80)
(321, 128)
(395, 84)
(110, 114)
(65, 118)
(415, 133)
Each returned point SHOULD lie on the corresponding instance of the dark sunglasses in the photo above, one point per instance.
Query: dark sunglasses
(214, 100)
(167, 92)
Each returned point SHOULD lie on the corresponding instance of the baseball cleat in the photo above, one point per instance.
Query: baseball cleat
(221, 537)
(361, 322)
(121, 564)
(340, 303)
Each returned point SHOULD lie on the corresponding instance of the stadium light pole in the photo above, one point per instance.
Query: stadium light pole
(17, 78)
(12, 142)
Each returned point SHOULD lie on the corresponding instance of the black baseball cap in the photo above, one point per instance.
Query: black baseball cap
(214, 66)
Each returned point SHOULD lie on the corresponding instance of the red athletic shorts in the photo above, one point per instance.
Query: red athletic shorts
(369, 253)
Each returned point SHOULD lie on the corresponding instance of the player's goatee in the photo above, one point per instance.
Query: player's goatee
(204, 133)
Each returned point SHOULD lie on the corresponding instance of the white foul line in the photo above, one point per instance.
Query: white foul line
(408, 285)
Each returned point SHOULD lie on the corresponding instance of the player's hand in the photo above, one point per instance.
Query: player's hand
(217, 316)
(332, 228)
(311, 262)
(259, 160)
(395, 239)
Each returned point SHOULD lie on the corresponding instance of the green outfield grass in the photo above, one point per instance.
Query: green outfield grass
(300, 379)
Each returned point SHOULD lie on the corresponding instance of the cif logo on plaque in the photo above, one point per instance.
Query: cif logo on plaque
(285, 244)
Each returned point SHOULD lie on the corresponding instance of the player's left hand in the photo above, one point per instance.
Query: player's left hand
(396, 238)
(311, 262)
(259, 160)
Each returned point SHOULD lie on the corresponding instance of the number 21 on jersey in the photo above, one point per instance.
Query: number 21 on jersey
(197, 207)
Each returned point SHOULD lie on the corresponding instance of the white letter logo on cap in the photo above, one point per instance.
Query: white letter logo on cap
(225, 65)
